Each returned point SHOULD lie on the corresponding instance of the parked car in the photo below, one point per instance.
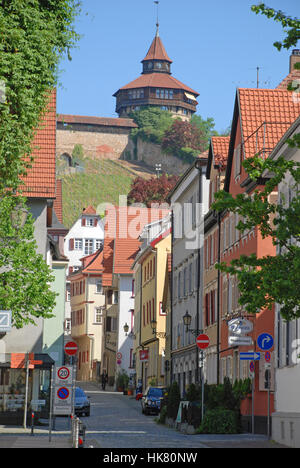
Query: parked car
(151, 400)
(82, 402)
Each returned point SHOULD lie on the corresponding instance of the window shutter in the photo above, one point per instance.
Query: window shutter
(83, 221)
(71, 244)
(212, 303)
(95, 222)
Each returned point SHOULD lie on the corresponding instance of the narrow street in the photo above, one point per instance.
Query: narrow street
(116, 421)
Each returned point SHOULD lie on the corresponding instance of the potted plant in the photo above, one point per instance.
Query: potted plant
(122, 381)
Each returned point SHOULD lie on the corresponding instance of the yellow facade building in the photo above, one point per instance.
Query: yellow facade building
(150, 268)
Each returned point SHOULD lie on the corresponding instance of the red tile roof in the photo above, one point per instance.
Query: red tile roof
(220, 145)
(40, 178)
(265, 114)
(123, 226)
(158, 80)
(292, 76)
(157, 51)
(105, 121)
(90, 210)
(93, 263)
(57, 205)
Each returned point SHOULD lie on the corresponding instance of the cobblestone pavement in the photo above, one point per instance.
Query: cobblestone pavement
(116, 422)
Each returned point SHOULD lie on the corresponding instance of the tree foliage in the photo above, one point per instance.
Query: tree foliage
(152, 123)
(206, 127)
(266, 280)
(183, 134)
(34, 35)
(25, 277)
(293, 25)
(154, 190)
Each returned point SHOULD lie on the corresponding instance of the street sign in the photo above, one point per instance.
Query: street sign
(63, 393)
(239, 340)
(240, 326)
(202, 341)
(250, 356)
(267, 356)
(5, 321)
(63, 375)
(71, 348)
(119, 355)
(63, 397)
(265, 341)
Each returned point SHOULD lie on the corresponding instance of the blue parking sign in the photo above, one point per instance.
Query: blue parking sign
(265, 341)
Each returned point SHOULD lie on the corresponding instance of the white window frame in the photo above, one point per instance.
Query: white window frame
(88, 246)
(78, 244)
(98, 315)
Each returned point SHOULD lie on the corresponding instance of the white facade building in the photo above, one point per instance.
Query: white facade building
(189, 203)
(286, 418)
(84, 238)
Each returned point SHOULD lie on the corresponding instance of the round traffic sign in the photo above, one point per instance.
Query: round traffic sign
(252, 368)
(265, 341)
(63, 373)
(119, 355)
(71, 348)
(267, 356)
(63, 393)
(202, 341)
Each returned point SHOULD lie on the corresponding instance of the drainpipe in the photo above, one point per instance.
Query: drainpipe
(198, 166)
(171, 292)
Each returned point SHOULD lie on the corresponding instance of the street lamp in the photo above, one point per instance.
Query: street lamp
(187, 320)
(131, 335)
(153, 324)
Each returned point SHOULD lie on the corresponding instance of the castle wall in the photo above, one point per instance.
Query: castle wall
(105, 142)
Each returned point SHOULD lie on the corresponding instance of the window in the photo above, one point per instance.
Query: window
(237, 156)
(99, 289)
(88, 246)
(98, 315)
(90, 222)
(77, 244)
(98, 244)
(111, 324)
(115, 297)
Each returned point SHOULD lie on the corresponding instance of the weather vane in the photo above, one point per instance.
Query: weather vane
(157, 22)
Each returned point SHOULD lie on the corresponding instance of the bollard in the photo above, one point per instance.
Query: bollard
(81, 434)
(32, 423)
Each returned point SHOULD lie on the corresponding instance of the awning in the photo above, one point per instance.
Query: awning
(190, 96)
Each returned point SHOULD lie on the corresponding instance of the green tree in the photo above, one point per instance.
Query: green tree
(152, 123)
(25, 277)
(207, 127)
(269, 279)
(34, 36)
(293, 25)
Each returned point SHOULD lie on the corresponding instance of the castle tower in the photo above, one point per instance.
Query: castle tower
(156, 87)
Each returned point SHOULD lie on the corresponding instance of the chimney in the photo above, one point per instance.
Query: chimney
(294, 58)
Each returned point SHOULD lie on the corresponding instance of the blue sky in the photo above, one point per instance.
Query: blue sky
(215, 46)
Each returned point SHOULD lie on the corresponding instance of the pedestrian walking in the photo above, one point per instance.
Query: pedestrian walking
(104, 379)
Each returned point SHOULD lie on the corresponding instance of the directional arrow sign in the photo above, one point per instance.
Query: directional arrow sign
(5, 320)
(251, 356)
(265, 341)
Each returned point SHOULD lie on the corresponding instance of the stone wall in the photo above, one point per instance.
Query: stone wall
(97, 142)
(111, 142)
(151, 154)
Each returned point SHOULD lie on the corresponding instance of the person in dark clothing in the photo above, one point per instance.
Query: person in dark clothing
(104, 379)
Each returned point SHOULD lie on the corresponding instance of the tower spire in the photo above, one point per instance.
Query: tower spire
(157, 22)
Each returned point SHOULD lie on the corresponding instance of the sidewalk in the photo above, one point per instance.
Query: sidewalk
(17, 437)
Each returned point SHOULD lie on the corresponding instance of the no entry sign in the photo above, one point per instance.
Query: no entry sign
(202, 341)
(71, 348)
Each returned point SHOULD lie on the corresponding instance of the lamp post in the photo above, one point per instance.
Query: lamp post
(153, 324)
(130, 335)
(187, 320)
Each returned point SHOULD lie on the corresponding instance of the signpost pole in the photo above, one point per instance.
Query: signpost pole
(252, 405)
(51, 403)
(202, 386)
(26, 393)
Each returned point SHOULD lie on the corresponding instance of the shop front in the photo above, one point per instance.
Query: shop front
(25, 386)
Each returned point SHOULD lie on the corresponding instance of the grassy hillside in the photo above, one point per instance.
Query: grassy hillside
(97, 182)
